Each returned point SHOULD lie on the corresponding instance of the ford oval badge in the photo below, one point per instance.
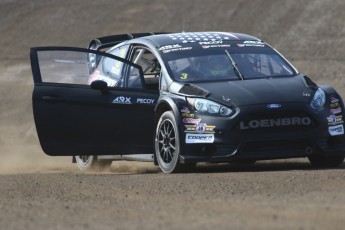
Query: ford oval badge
(274, 106)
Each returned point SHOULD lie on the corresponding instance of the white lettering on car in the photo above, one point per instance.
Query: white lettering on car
(145, 101)
(122, 100)
(266, 123)
(336, 130)
(199, 138)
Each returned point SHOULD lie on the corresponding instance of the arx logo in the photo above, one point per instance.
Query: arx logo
(170, 47)
(122, 100)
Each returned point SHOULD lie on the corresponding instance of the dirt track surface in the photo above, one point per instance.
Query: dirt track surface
(42, 192)
(284, 195)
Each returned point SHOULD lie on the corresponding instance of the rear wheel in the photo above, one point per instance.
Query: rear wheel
(88, 163)
(319, 161)
(167, 144)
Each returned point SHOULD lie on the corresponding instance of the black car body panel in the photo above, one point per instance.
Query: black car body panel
(258, 91)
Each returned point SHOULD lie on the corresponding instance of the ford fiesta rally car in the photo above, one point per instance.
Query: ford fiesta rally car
(181, 98)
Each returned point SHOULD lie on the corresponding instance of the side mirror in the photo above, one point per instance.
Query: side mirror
(99, 85)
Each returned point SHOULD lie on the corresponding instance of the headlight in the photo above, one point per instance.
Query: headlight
(209, 107)
(318, 100)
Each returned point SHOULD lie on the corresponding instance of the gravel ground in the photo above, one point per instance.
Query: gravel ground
(269, 195)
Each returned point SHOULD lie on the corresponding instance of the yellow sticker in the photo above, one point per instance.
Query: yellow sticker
(117, 64)
(122, 53)
(184, 76)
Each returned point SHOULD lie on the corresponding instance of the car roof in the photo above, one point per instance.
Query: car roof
(190, 37)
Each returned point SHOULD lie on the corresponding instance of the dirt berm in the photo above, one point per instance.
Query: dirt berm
(41, 192)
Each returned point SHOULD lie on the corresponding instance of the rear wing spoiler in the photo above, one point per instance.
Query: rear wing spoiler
(108, 41)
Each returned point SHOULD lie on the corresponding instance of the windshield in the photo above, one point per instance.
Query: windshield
(194, 62)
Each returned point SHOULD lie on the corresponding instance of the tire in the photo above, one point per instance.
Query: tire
(91, 163)
(319, 161)
(167, 144)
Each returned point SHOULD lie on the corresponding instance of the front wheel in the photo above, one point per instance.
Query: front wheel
(87, 163)
(319, 161)
(167, 144)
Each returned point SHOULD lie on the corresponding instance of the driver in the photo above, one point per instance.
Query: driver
(218, 66)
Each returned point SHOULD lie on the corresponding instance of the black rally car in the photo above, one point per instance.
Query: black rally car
(181, 98)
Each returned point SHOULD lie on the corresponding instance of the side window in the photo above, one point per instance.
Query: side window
(111, 68)
(150, 65)
(60, 66)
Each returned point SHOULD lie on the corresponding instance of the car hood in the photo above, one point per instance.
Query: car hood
(256, 91)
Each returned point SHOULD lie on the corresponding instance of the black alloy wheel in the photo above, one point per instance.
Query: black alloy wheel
(167, 143)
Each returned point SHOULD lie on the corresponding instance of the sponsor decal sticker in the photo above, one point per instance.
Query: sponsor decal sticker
(176, 49)
(145, 101)
(336, 130)
(274, 106)
(251, 44)
(335, 120)
(215, 46)
(191, 120)
(267, 123)
(335, 111)
(122, 100)
(190, 115)
(184, 76)
(185, 110)
(334, 100)
(335, 105)
(168, 47)
(200, 128)
(215, 42)
(199, 138)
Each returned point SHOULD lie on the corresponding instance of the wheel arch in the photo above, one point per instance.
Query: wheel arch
(331, 91)
(167, 104)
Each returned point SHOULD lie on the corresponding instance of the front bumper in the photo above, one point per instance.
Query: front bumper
(233, 142)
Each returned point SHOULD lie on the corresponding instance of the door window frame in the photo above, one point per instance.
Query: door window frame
(131, 55)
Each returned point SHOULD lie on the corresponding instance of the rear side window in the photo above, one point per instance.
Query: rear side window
(112, 67)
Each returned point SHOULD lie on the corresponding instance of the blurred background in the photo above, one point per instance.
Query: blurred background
(310, 33)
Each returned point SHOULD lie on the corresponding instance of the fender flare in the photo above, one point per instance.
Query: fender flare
(164, 104)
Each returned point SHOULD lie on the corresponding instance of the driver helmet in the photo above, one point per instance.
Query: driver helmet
(218, 65)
